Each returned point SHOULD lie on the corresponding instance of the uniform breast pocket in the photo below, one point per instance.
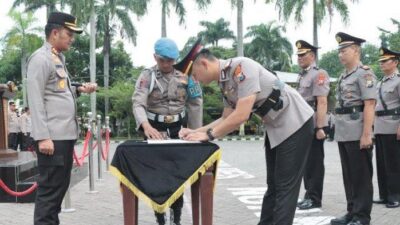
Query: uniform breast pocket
(305, 87)
(181, 92)
(60, 84)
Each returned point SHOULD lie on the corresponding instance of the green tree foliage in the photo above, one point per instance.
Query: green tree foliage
(215, 31)
(391, 39)
(269, 47)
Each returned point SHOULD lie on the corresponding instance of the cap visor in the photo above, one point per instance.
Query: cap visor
(383, 58)
(302, 51)
(75, 29)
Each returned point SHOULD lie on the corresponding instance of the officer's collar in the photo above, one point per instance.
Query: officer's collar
(159, 74)
(305, 71)
(385, 78)
(224, 66)
(348, 73)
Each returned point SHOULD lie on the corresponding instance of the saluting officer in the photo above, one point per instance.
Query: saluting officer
(387, 129)
(162, 104)
(52, 102)
(355, 109)
(314, 88)
(248, 87)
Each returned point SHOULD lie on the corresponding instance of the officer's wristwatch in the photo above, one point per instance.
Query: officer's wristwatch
(210, 135)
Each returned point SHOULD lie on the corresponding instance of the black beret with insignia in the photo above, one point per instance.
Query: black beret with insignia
(385, 54)
(66, 20)
(304, 47)
(185, 65)
(345, 40)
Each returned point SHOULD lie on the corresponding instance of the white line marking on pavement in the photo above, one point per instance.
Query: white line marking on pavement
(226, 171)
(315, 210)
(314, 220)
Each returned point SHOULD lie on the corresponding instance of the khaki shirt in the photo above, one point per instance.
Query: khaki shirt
(26, 124)
(241, 77)
(352, 89)
(51, 97)
(390, 89)
(168, 97)
(312, 83)
(13, 122)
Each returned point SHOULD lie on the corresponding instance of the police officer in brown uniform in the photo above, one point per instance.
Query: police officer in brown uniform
(52, 102)
(162, 104)
(248, 87)
(387, 129)
(313, 86)
(355, 109)
(13, 127)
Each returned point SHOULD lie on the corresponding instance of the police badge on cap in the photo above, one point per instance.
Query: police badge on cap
(345, 40)
(304, 47)
(66, 20)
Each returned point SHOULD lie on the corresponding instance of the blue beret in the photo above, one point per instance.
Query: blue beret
(166, 47)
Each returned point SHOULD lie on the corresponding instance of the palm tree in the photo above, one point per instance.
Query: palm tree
(113, 18)
(22, 36)
(321, 8)
(179, 10)
(269, 47)
(215, 31)
(33, 5)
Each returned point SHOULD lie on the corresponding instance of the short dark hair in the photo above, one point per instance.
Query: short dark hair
(205, 54)
(50, 27)
(11, 103)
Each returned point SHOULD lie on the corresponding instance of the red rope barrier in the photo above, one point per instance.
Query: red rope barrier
(16, 193)
(85, 153)
(104, 153)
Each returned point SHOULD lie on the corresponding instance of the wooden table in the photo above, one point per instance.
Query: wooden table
(202, 196)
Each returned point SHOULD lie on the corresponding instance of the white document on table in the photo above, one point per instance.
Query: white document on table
(171, 141)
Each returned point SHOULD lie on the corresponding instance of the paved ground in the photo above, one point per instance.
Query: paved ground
(239, 192)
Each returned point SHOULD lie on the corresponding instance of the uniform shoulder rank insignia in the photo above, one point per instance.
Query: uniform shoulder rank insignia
(321, 78)
(224, 71)
(369, 81)
(238, 73)
(143, 83)
(365, 67)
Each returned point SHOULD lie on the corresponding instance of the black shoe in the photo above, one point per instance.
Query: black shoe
(379, 201)
(301, 202)
(357, 222)
(392, 204)
(309, 204)
(344, 220)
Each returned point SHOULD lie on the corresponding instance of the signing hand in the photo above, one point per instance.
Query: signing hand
(87, 87)
(196, 136)
(183, 132)
(46, 147)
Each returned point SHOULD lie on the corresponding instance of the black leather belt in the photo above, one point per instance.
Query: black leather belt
(349, 110)
(273, 101)
(389, 112)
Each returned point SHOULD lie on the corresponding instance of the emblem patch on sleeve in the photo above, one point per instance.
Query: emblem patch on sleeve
(321, 79)
(369, 81)
(143, 83)
(240, 77)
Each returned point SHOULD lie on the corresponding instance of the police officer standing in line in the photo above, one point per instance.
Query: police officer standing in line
(248, 87)
(13, 127)
(52, 102)
(387, 129)
(162, 104)
(314, 88)
(26, 129)
(355, 109)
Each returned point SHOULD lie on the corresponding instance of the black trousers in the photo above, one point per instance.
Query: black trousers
(357, 178)
(388, 166)
(53, 182)
(173, 130)
(27, 141)
(315, 171)
(13, 141)
(285, 167)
